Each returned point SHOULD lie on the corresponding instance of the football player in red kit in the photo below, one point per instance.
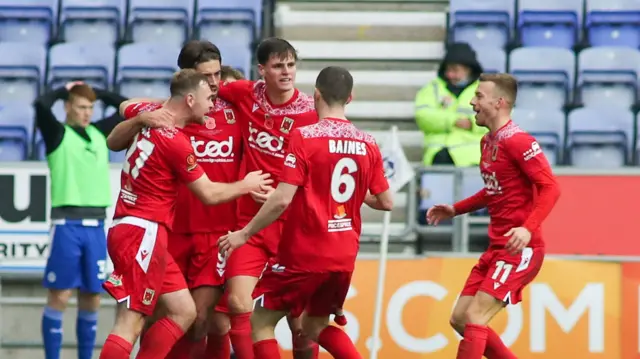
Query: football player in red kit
(520, 191)
(273, 108)
(328, 171)
(144, 272)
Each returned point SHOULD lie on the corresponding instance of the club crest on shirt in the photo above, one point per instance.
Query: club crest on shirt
(230, 116)
(287, 125)
(209, 123)
(494, 153)
(148, 295)
(268, 121)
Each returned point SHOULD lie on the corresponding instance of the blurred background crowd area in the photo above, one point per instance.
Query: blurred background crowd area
(415, 65)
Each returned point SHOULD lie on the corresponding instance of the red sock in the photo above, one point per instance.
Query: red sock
(160, 339)
(181, 349)
(267, 349)
(495, 348)
(474, 342)
(116, 347)
(338, 343)
(304, 348)
(240, 335)
(218, 346)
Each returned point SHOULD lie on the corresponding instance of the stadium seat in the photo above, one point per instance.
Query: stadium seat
(145, 69)
(95, 20)
(599, 137)
(167, 21)
(608, 76)
(486, 23)
(22, 69)
(16, 129)
(28, 20)
(471, 183)
(89, 62)
(549, 23)
(492, 59)
(547, 126)
(236, 20)
(545, 75)
(613, 23)
(435, 188)
(236, 55)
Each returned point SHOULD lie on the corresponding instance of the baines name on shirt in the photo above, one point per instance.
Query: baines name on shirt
(348, 147)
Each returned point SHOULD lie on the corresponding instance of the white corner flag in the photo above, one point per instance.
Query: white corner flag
(399, 172)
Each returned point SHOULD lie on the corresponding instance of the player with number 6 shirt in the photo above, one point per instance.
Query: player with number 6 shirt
(520, 191)
(144, 272)
(331, 168)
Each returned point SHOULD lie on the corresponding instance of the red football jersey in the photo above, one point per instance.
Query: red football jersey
(266, 131)
(218, 148)
(510, 158)
(334, 165)
(156, 162)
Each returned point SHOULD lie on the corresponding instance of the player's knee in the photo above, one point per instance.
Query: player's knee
(310, 331)
(58, 299)
(220, 324)
(239, 303)
(182, 310)
(88, 301)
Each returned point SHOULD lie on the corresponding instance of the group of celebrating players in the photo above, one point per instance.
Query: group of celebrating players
(234, 190)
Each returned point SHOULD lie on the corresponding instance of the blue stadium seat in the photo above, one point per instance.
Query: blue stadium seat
(22, 69)
(599, 137)
(471, 183)
(117, 157)
(89, 62)
(547, 126)
(16, 129)
(435, 188)
(545, 75)
(146, 69)
(555, 23)
(492, 59)
(28, 20)
(167, 21)
(237, 56)
(95, 20)
(486, 23)
(608, 76)
(613, 23)
(237, 20)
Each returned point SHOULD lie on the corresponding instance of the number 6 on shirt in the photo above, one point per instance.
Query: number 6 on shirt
(338, 179)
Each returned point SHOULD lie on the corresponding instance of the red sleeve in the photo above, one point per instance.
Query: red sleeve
(295, 168)
(233, 92)
(379, 181)
(471, 204)
(528, 156)
(135, 109)
(182, 160)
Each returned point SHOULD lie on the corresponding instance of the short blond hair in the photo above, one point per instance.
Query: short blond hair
(506, 84)
(185, 81)
(228, 71)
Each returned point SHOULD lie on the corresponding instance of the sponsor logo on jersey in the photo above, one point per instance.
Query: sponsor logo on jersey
(290, 160)
(115, 280)
(491, 184)
(532, 152)
(265, 142)
(213, 151)
(191, 162)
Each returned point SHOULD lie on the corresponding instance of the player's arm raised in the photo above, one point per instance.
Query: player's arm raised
(527, 153)
(136, 118)
(212, 193)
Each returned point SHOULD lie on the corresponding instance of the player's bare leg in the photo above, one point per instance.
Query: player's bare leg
(163, 334)
(263, 325)
(332, 339)
(240, 302)
(482, 308)
(125, 332)
(218, 345)
(303, 347)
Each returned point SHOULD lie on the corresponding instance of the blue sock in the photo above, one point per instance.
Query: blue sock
(86, 328)
(52, 332)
